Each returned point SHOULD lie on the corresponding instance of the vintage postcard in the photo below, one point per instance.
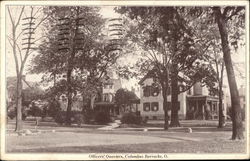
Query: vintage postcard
(124, 80)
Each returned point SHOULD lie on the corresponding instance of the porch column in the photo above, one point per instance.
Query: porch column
(203, 111)
(197, 109)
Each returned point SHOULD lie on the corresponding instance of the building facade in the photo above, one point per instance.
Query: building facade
(196, 103)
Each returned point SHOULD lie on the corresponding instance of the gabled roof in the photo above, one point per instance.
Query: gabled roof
(11, 82)
(150, 74)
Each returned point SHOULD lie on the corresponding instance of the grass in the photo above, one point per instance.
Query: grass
(207, 139)
(211, 146)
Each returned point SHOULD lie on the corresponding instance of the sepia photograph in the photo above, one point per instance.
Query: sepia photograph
(124, 80)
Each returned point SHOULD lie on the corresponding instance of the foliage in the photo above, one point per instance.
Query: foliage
(53, 107)
(79, 119)
(124, 97)
(102, 117)
(131, 118)
(23, 44)
(11, 114)
(76, 54)
(35, 110)
(60, 117)
(170, 48)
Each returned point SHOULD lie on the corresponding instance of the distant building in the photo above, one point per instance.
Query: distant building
(106, 101)
(242, 94)
(196, 103)
(26, 85)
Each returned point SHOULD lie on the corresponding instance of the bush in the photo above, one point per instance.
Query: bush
(144, 120)
(102, 118)
(243, 114)
(131, 118)
(35, 111)
(53, 108)
(11, 113)
(60, 117)
(79, 119)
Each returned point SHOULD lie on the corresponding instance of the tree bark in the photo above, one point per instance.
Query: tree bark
(165, 108)
(70, 69)
(69, 96)
(221, 123)
(237, 130)
(221, 119)
(174, 98)
(19, 104)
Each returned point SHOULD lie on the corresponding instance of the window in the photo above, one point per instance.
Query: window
(105, 98)
(155, 91)
(146, 91)
(154, 106)
(146, 106)
(151, 91)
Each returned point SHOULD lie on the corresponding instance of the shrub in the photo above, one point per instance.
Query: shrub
(60, 117)
(131, 118)
(35, 111)
(102, 117)
(243, 114)
(78, 119)
(11, 113)
(144, 120)
(53, 108)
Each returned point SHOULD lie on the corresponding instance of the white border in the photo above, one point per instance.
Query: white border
(60, 156)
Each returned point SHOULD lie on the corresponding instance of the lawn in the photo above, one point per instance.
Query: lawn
(92, 140)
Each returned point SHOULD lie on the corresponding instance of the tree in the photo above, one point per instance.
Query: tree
(224, 17)
(75, 33)
(169, 49)
(123, 97)
(70, 38)
(22, 49)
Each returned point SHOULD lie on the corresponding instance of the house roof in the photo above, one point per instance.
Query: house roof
(150, 74)
(116, 82)
(11, 83)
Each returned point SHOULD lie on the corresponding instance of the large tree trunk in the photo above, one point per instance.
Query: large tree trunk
(165, 108)
(92, 101)
(236, 109)
(221, 115)
(19, 104)
(69, 96)
(174, 98)
(70, 69)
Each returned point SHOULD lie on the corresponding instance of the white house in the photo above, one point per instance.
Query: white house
(196, 103)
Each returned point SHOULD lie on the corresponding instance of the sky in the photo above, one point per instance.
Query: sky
(108, 12)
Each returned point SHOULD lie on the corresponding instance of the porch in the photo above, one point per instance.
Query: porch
(202, 107)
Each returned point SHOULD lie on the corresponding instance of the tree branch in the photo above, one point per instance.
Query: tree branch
(234, 12)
